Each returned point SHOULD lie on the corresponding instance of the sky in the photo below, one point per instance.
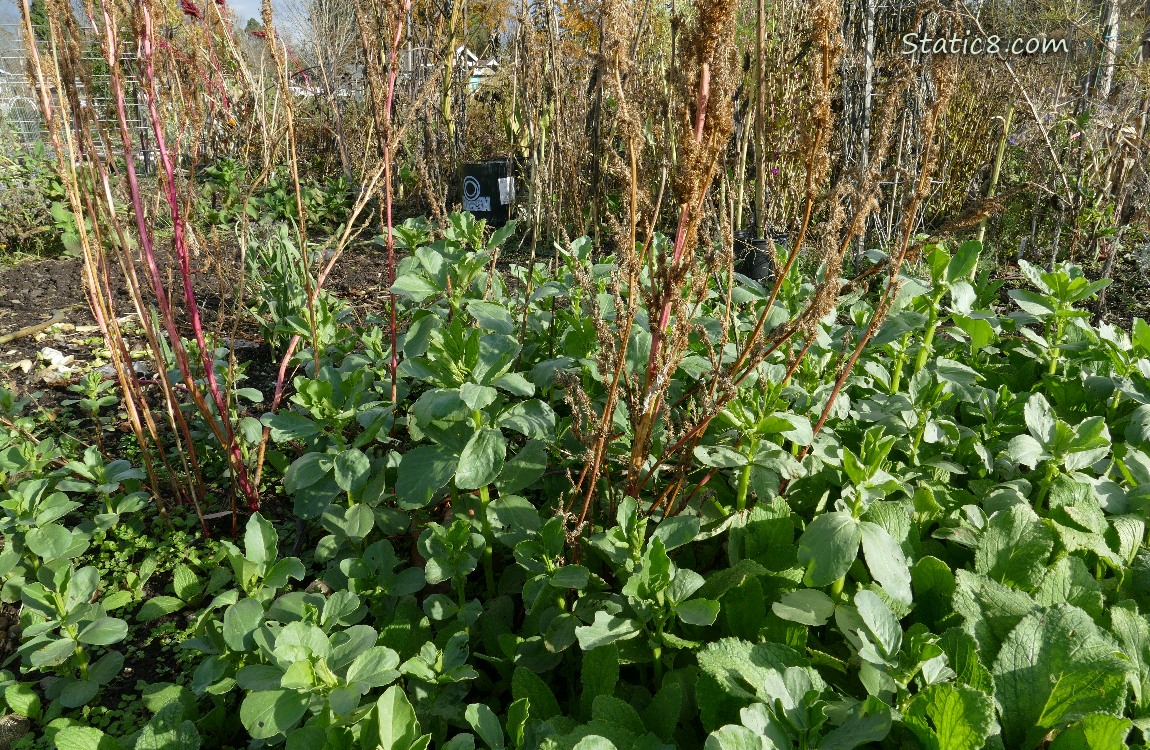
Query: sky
(245, 9)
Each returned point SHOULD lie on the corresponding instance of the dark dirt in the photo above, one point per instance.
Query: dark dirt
(32, 291)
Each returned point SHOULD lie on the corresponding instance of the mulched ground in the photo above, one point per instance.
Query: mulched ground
(32, 291)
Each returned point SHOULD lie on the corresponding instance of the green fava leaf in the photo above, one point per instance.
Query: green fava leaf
(422, 472)
(267, 713)
(352, 470)
(806, 606)
(375, 667)
(84, 738)
(951, 717)
(104, 632)
(1094, 732)
(605, 629)
(698, 611)
(1055, 668)
(481, 460)
(735, 737)
(394, 721)
(886, 561)
(828, 547)
(1014, 548)
(483, 720)
(240, 620)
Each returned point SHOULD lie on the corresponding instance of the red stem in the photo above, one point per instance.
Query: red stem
(181, 247)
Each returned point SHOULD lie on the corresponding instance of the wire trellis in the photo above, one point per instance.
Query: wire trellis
(21, 122)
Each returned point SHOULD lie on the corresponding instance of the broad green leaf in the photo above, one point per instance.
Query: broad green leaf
(962, 657)
(285, 426)
(50, 541)
(483, 720)
(719, 456)
(677, 531)
(828, 547)
(990, 611)
(185, 582)
(267, 713)
(477, 397)
(395, 720)
(735, 737)
(880, 621)
(84, 738)
(422, 472)
(570, 577)
(523, 469)
(525, 684)
(806, 606)
(886, 561)
(980, 331)
(962, 264)
(517, 715)
(933, 584)
(169, 730)
(158, 606)
(1014, 548)
(1069, 581)
(1040, 419)
(481, 460)
(599, 674)
(240, 621)
(1133, 634)
(104, 632)
(306, 471)
(741, 667)
(662, 714)
(352, 470)
(1095, 732)
(22, 699)
(1025, 450)
(534, 419)
(951, 717)
(491, 316)
(260, 540)
(415, 288)
(375, 667)
(54, 653)
(698, 611)
(867, 722)
(1035, 304)
(76, 692)
(1055, 668)
(605, 629)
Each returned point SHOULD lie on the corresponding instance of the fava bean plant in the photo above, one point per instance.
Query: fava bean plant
(955, 559)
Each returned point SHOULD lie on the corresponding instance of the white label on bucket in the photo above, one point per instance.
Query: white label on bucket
(506, 189)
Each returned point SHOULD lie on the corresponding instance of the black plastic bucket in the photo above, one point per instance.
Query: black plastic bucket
(754, 256)
(488, 189)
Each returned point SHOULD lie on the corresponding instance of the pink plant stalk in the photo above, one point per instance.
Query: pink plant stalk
(223, 427)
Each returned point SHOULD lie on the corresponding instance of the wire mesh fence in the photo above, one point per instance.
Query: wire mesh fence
(21, 123)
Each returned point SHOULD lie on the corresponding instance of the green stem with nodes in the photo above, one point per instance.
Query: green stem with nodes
(931, 326)
(919, 431)
(488, 534)
(1114, 401)
(1056, 349)
(1044, 486)
(899, 361)
(745, 476)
